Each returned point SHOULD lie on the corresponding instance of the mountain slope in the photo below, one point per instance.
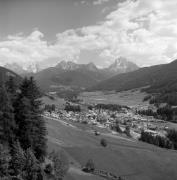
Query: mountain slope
(6, 73)
(157, 77)
(80, 76)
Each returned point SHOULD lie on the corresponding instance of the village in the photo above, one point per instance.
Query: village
(118, 120)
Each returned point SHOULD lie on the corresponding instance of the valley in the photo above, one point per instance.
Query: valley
(88, 90)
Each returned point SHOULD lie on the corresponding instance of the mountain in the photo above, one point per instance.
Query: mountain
(157, 78)
(71, 66)
(67, 65)
(6, 73)
(67, 74)
(122, 65)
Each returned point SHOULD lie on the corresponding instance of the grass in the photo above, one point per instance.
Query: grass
(131, 159)
(128, 98)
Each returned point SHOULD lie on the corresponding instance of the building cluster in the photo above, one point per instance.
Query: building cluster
(105, 118)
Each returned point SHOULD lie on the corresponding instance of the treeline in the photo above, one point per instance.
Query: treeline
(170, 98)
(50, 108)
(147, 112)
(166, 113)
(111, 107)
(169, 142)
(73, 108)
(23, 132)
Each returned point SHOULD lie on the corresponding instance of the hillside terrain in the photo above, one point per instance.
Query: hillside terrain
(159, 78)
(124, 157)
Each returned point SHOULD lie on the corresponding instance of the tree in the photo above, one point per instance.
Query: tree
(7, 122)
(90, 166)
(127, 131)
(31, 167)
(172, 136)
(23, 116)
(17, 162)
(60, 164)
(28, 116)
(117, 127)
(103, 142)
(4, 161)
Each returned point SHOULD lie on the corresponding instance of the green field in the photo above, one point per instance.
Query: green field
(123, 157)
(128, 98)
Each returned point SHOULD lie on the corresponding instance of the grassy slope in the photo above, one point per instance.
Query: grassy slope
(133, 160)
(128, 98)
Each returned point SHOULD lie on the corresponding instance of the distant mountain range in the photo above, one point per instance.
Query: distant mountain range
(122, 75)
(67, 74)
(158, 79)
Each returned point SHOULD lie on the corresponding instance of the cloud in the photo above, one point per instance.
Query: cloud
(98, 2)
(143, 31)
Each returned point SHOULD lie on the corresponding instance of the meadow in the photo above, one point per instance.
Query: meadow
(128, 98)
(124, 157)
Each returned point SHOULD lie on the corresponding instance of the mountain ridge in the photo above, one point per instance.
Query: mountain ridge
(157, 77)
(71, 74)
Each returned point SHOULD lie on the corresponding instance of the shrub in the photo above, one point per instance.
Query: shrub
(127, 131)
(103, 142)
(90, 166)
(48, 169)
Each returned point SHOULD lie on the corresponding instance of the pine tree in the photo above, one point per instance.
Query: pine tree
(24, 121)
(31, 167)
(7, 122)
(17, 162)
(4, 161)
(28, 116)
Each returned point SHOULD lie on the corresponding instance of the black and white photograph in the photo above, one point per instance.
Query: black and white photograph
(88, 89)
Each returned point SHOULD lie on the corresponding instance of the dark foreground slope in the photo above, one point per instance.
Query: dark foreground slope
(158, 78)
(130, 159)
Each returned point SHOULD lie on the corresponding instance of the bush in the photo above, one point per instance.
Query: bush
(48, 169)
(103, 142)
(90, 166)
(127, 131)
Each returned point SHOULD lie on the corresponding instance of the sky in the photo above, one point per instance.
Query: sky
(45, 32)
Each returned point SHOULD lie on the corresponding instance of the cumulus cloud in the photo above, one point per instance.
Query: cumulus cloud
(143, 31)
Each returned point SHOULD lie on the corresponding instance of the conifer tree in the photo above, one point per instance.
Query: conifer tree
(23, 117)
(28, 116)
(31, 166)
(7, 122)
(4, 161)
(17, 162)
